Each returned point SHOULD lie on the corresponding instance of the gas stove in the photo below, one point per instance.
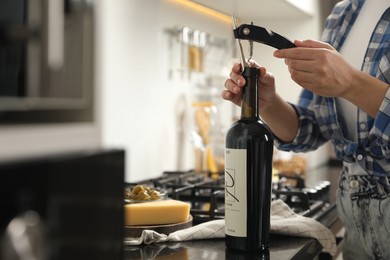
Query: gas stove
(205, 193)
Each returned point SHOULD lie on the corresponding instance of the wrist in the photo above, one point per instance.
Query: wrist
(353, 86)
(366, 92)
(266, 107)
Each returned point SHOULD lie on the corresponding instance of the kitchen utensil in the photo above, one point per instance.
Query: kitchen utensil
(261, 35)
(180, 109)
(204, 113)
(162, 196)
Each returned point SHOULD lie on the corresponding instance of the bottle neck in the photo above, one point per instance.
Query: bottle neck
(250, 101)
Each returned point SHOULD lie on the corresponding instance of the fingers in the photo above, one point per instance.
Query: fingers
(295, 53)
(226, 94)
(236, 67)
(254, 64)
(312, 44)
(235, 98)
(236, 81)
(263, 72)
(306, 50)
(233, 87)
(265, 77)
(300, 65)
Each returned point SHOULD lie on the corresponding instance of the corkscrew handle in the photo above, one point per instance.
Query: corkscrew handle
(254, 33)
(261, 35)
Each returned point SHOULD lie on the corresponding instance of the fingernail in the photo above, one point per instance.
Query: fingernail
(240, 83)
(276, 53)
(236, 90)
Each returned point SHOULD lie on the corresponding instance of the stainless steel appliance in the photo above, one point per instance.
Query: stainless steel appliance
(46, 52)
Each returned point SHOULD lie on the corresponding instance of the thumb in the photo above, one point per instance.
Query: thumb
(312, 44)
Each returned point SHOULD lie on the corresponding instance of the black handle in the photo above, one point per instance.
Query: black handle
(261, 35)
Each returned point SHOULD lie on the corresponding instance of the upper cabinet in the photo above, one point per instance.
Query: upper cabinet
(248, 10)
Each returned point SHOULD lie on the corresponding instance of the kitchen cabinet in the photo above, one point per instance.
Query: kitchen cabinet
(265, 9)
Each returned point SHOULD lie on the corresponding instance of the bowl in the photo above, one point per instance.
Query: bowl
(142, 194)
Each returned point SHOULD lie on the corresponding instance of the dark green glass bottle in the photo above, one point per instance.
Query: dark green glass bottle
(248, 174)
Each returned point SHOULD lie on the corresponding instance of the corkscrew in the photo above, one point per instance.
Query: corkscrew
(254, 33)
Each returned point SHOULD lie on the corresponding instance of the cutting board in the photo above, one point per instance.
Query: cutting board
(136, 231)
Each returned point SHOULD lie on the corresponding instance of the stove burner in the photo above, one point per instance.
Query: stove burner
(206, 194)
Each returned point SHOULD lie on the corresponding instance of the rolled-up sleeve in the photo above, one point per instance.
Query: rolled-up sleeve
(309, 136)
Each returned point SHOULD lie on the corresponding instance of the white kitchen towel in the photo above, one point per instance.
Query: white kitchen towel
(284, 221)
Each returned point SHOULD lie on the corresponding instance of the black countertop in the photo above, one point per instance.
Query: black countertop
(281, 247)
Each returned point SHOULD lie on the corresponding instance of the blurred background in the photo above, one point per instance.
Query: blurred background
(143, 76)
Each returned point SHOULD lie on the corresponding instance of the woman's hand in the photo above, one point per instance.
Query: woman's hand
(234, 85)
(318, 67)
(277, 113)
(236, 82)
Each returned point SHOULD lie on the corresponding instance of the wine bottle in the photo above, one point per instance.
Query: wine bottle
(248, 174)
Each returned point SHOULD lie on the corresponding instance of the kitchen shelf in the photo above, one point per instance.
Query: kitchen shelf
(249, 10)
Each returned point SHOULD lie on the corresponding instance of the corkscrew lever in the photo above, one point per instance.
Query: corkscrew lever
(261, 35)
(244, 63)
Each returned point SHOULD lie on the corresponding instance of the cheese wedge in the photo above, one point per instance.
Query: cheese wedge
(156, 213)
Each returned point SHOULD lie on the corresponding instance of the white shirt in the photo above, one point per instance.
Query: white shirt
(353, 50)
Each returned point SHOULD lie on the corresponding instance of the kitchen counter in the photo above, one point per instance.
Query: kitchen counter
(281, 247)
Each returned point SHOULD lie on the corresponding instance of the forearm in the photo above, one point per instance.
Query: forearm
(366, 92)
(282, 119)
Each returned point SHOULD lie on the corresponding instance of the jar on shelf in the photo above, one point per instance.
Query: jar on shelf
(205, 131)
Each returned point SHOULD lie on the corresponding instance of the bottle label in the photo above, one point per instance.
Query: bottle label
(235, 192)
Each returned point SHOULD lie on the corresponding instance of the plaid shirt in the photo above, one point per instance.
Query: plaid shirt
(318, 116)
